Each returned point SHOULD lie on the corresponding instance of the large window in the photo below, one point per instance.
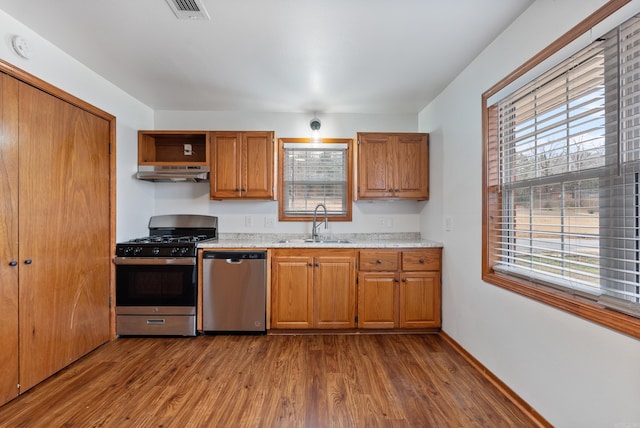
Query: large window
(313, 173)
(562, 183)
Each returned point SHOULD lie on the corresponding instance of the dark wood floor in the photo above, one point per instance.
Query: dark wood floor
(267, 381)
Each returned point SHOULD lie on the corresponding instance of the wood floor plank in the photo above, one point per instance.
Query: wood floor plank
(267, 381)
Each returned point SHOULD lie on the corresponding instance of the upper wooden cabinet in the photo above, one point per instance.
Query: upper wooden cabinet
(179, 148)
(392, 166)
(242, 165)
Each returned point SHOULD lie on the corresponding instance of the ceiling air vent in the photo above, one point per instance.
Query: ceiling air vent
(188, 9)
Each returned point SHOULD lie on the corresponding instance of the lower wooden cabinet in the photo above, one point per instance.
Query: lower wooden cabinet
(377, 300)
(313, 289)
(419, 300)
(317, 288)
(399, 288)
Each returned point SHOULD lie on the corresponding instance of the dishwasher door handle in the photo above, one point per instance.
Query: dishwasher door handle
(234, 261)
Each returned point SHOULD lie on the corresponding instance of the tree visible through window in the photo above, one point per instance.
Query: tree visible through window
(312, 174)
(562, 189)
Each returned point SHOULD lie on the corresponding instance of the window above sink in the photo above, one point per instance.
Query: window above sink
(312, 173)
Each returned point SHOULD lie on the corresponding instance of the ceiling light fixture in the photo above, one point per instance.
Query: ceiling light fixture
(315, 129)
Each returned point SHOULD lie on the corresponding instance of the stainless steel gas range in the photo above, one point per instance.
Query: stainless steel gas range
(156, 276)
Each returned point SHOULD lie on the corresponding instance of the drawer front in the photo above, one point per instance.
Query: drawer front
(421, 260)
(156, 325)
(378, 260)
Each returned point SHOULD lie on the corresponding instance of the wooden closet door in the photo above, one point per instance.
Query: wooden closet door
(65, 258)
(9, 241)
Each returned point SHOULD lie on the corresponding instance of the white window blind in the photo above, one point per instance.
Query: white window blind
(569, 166)
(315, 174)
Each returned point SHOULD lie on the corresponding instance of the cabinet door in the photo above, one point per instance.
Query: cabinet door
(64, 227)
(257, 165)
(375, 166)
(334, 297)
(420, 300)
(9, 241)
(377, 300)
(412, 172)
(225, 179)
(291, 296)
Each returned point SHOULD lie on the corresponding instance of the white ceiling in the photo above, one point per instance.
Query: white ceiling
(326, 56)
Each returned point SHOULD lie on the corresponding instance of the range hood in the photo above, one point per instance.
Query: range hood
(171, 174)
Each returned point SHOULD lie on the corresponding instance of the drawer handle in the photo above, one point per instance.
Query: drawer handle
(155, 322)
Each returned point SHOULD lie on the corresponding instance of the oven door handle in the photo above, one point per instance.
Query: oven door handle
(183, 261)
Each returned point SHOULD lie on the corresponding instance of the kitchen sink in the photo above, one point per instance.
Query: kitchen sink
(328, 241)
(314, 241)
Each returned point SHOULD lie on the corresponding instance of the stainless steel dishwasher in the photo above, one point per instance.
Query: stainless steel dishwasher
(234, 291)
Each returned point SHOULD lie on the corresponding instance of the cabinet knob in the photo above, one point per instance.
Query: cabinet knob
(243, 190)
(379, 261)
(13, 263)
(28, 262)
(396, 280)
(310, 264)
(422, 261)
(317, 264)
(390, 190)
(398, 190)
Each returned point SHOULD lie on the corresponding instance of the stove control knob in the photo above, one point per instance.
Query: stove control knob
(137, 250)
(184, 251)
(155, 251)
(175, 251)
(128, 251)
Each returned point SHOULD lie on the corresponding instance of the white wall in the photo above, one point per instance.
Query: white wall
(134, 200)
(575, 373)
(386, 217)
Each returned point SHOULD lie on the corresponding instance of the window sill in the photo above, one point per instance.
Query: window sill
(572, 304)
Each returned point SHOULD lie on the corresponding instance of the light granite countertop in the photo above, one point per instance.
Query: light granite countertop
(357, 240)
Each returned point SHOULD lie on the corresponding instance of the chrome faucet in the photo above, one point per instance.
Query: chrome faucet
(314, 230)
